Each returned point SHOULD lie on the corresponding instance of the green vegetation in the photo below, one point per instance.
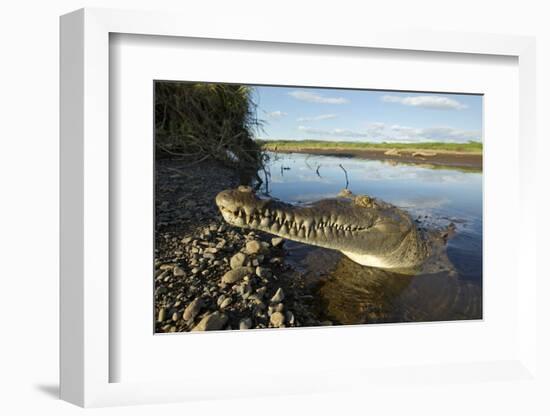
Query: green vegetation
(470, 147)
(199, 121)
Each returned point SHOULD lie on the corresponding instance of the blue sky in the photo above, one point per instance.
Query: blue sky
(362, 115)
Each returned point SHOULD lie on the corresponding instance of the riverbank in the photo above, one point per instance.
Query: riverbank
(210, 276)
(467, 155)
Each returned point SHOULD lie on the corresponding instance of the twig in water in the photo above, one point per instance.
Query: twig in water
(346, 173)
(317, 171)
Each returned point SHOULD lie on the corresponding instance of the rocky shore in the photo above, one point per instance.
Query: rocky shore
(211, 276)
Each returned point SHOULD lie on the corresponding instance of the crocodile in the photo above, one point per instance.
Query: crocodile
(367, 230)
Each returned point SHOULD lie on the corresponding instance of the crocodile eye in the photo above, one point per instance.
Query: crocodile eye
(243, 188)
(363, 201)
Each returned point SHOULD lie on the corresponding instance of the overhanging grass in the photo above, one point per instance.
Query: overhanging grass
(199, 121)
(470, 147)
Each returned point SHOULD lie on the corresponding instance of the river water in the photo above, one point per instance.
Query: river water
(348, 293)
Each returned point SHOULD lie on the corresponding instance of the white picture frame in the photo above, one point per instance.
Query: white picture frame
(85, 210)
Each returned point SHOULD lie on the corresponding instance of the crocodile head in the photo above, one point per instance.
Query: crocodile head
(369, 231)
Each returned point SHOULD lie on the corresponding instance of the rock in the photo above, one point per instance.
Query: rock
(277, 241)
(290, 317)
(162, 315)
(238, 260)
(277, 319)
(192, 309)
(163, 275)
(245, 323)
(211, 322)
(221, 299)
(255, 298)
(195, 270)
(167, 266)
(261, 291)
(237, 274)
(225, 303)
(175, 316)
(253, 247)
(263, 272)
(186, 240)
(178, 271)
(278, 296)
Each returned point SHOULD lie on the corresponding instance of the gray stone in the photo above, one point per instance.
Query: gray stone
(162, 315)
(192, 309)
(221, 299)
(277, 319)
(290, 317)
(178, 271)
(238, 260)
(166, 266)
(237, 274)
(253, 247)
(245, 323)
(211, 322)
(278, 296)
(263, 272)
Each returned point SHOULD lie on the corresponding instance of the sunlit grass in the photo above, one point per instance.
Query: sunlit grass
(470, 147)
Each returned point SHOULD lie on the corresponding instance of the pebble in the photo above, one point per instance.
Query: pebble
(253, 247)
(175, 316)
(221, 299)
(178, 271)
(162, 315)
(277, 241)
(211, 322)
(278, 296)
(166, 267)
(277, 319)
(192, 309)
(225, 303)
(238, 260)
(237, 274)
(245, 323)
(263, 272)
(290, 317)
(186, 240)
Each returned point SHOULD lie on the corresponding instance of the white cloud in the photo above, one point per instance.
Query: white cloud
(447, 134)
(426, 101)
(275, 115)
(312, 97)
(379, 132)
(317, 118)
(333, 132)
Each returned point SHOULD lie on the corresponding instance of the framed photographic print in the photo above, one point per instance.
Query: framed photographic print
(228, 198)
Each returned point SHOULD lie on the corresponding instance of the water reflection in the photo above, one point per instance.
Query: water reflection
(349, 293)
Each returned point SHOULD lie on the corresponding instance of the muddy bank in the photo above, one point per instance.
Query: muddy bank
(436, 159)
(210, 276)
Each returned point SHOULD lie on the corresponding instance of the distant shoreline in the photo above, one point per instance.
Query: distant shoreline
(431, 154)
